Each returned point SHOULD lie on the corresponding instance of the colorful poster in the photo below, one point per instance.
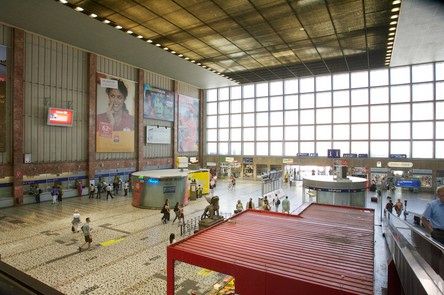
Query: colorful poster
(188, 131)
(158, 103)
(115, 115)
(2, 98)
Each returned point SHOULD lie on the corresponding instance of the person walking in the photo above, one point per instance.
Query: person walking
(433, 216)
(176, 211)
(277, 202)
(166, 211)
(86, 229)
(75, 221)
(54, 194)
(398, 207)
(286, 205)
(108, 191)
(250, 204)
(79, 187)
(92, 189)
(126, 187)
(266, 205)
(389, 206)
(100, 187)
(172, 238)
(60, 194)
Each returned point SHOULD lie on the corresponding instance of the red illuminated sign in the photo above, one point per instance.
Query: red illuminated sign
(60, 117)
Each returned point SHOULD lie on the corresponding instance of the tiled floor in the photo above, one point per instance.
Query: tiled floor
(129, 244)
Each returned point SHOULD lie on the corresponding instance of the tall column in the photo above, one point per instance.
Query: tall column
(202, 134)
(176, 122)
(18, 109)
(92, 99)
(140, 140)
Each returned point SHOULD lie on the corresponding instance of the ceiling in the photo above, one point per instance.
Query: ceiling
(258, 40)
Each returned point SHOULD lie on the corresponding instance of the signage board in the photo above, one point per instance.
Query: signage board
(229, 159)
(412, 183)
(362, 155)
(182, 162)
(247, 160)
(313, 154)
(109, 83)
(333, 153)
(398, 156)
(400, 164)
(60, 117)
(287, 160)
(158, 134)
(302, 154)
(349, 155)
(211, 164)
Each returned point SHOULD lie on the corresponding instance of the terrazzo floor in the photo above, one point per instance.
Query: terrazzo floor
(128, 253)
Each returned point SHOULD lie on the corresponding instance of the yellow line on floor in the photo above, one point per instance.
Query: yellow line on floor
(110, 242)
(205, 272)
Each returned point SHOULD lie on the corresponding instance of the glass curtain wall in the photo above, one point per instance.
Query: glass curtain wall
(379, 112)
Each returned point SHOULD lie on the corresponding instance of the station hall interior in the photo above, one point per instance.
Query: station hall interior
(220, 146)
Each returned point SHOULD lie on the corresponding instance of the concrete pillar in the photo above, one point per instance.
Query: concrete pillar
(140, 132)
(92, 100)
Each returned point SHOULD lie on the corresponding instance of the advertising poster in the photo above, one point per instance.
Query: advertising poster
(188, 131)
(158, 103)
(115, 114)
(2, 98)
(158, 134)
(60, 117)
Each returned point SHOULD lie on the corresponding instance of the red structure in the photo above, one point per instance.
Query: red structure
(323, 250)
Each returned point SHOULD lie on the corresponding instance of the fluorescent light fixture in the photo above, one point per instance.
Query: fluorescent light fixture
(193, 61)
(118, 27)
(394, 16)
(301, 29)
(149, 41)
(187, 58)
(93, 15)
(204, 66)
(390, 43)
(393, 23)
(396, 9)
(106, 21)
(140, 36)
(78, 8)
(158, 45)
(391, 38)
(198, 64)
(165, 48)
(63, 1)
(392, 28)
(173, 52)
(396, 2)
(392, 34)
(180, 55)
(390, 47)
(129, 32)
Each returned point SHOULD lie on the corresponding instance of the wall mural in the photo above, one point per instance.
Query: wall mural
(188, 131)
(158, 103)
(115, 114)
(2, 98)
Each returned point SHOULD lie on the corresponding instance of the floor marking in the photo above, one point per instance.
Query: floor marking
(110, 242)
(205, 272)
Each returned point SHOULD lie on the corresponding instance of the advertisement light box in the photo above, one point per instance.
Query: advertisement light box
(60, 117)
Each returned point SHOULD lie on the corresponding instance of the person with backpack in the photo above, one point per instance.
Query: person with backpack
(86, 229)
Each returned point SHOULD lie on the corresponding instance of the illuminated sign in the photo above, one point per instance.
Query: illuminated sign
(152, 181)
(60, 117)
(333, 153)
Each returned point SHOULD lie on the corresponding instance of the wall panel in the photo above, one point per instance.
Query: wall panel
(55, 76)
(6, 40)
(191, 91)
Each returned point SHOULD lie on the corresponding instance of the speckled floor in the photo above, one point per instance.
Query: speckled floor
(128, 252)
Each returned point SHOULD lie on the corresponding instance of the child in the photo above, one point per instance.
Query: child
(75, 221)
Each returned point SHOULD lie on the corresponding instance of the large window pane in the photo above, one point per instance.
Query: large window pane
(323, 116)
(224, 93)
(439, 130)
(262, 148)
(223, 121)
(323, 99)
(212, 108)
(400, 75)
(323, 83)
(400, 112)
(379, 113)
(322, 148)
(236, 120)
(379, 77)
(341, 98)
(359, 96)
(276, 88)
(248, 134)
(341, 132)
(276, 149)
(422, 130)
(379, 131)
(379, 149)
(291, 102)
(276, 103)
(341, 115)
(341, 81)
(291, 133)
(439, 91)
(439, 149)
(212, 95)
(291, 86)
(359, 114)
(400, 147)
(359, 79)
(306, 133)
(291, 148)
(224, 107)
(262, 119)
(422, 92)
(306, 101)
(248, 120)
(248, 148)
(223, 134)
(212, 135)
(277, 133)
(262, 89)
(400, 93)
(422, 73)
(261, 104)
(422, 149)
(262, 133)
(440, 111)
(307, 147)
(236, 106)
(212, 148)
(439, 71)
(276, 118)
(248, 105)
(236, 92)
(307, 85)
(291, 118)
(223, 148)
(236, 148)
(323, 132)
(248, 91)
(307, 117)
(344, 146)
(400, 131)
(359, 131)
(359, 147)
(422, 111)
(212, 122)
(379, 95)
(236, 134)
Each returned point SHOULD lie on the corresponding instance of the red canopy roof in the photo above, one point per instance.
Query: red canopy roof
(324, 250)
